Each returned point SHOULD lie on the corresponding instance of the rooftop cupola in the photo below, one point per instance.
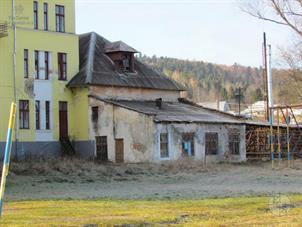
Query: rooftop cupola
(122, 55)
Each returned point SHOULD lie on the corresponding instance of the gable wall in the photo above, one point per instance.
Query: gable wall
(133, 93)
(137, 130)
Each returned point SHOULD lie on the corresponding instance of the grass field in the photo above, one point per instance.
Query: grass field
(241, 211)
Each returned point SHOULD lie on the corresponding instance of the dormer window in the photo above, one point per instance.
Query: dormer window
(127, 63)
(122, 55)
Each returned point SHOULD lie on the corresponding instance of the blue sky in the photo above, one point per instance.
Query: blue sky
(213, 31)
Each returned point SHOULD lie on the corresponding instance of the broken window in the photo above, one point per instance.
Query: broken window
(234, 143)
(127, 63)
(164, 146)
(95, 114)
(24, 114)
(211, 143)
(101, 148)
(188, 144)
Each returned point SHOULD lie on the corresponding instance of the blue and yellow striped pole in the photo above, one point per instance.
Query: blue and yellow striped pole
(7, 153)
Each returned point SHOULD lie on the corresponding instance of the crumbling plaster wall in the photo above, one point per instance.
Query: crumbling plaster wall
(137, 130)
(142, 135)
(175, 132)
(133, 93)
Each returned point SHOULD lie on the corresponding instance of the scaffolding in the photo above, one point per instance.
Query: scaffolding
(279, 140)
(292, 139)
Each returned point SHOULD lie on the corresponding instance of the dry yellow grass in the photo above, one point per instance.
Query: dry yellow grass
(241, 211)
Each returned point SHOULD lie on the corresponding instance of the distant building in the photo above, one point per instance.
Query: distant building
(218, 105)
(257, 109)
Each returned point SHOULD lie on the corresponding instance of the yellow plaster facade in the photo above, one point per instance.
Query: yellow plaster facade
(52, 89)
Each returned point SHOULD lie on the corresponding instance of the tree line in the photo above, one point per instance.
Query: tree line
(211, 82)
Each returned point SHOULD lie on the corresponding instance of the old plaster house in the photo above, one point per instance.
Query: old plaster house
(136, 114)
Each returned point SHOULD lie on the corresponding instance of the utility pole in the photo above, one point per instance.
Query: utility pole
(265, 70)
(239, 97)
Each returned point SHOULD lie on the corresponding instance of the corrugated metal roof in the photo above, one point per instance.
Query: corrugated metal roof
(96, 68)
(177, 112)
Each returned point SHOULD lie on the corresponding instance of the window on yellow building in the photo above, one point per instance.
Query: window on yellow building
(36, 26)
(60, 18)
(45, 16)
(62, 66)
(24, 114)
(26, 63)
(38, 122)
(37, 70)
(47, 115)
(46, 59)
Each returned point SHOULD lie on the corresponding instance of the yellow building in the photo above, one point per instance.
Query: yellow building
(45, 49)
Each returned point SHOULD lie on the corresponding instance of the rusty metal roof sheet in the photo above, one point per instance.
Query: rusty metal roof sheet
(96, 68)
(178, 112)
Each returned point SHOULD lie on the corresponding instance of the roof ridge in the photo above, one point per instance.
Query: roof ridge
(90, 62)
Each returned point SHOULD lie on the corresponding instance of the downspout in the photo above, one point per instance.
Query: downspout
(14, 71)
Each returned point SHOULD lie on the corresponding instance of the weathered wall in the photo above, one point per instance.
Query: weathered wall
(133, 93)
(137, 130)
(142, 136)
(175, 132)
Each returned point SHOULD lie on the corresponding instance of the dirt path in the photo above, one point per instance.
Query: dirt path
(181, 180)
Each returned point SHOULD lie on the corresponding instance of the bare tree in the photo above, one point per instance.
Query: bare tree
(283, 12)
(287, 13)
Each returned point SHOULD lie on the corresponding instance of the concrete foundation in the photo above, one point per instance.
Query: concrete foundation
(51, 149)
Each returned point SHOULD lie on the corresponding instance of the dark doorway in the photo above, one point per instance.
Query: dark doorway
(211, 143)
(101, 148)
(119, 150)
(63, 120)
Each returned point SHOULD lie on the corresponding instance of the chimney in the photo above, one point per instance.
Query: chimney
(158, 103)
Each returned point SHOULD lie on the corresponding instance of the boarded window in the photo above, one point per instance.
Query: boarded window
(164, 146)
(211, 143)
(234, 143)
(95, 114)
(188, 144)
(101, 148)
(24, 114)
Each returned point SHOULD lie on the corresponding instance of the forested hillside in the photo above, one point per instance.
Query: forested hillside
(210, 82)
